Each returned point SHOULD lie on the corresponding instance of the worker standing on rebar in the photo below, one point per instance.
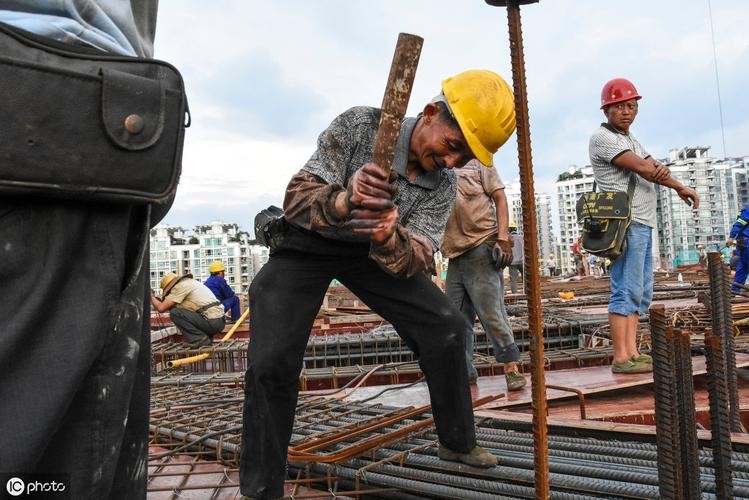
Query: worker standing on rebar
(515, 269)
(740, 234)
(221, 289)
(616, 156)
(347, 219)
(192, 307)
(74, 338)
(478, 243)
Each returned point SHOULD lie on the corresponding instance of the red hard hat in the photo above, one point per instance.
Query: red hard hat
(618, 90)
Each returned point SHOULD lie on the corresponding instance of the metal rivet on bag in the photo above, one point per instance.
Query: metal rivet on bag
(134, 124)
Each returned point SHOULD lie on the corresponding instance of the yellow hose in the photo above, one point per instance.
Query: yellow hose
(186, 361)
(236, 325)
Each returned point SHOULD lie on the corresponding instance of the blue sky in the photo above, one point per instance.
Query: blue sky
(264, 78)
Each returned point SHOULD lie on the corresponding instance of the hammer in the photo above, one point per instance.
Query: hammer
(394, 104)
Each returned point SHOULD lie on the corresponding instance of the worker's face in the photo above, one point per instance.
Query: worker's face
(621, 114)
(441, 144)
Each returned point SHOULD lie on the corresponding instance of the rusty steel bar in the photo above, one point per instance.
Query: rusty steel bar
(719, 415)
(395, 101)
(670, 482)
(580, 396)
(690, 465)
(719, 290)
(531, 270)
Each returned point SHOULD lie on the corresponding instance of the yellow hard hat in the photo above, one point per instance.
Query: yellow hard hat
(216, 266)
(167, 282)
(484, 107)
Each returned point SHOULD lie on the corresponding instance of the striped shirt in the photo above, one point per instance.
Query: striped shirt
(607, 144)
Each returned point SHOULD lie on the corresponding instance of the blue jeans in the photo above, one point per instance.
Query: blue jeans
(632, 273)
(476, 287)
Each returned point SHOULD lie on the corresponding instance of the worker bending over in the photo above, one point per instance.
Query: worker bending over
(376, 233)
(193, 308)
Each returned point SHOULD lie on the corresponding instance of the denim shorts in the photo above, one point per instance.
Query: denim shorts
(632, 273)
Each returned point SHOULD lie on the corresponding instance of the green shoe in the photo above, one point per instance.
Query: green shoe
(477, 457)
(515, 381)
(631, 366)
(643, 358)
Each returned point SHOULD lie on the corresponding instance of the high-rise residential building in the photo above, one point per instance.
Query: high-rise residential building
(543, 217)
(173, 249)
(570, 185)
(723, 188)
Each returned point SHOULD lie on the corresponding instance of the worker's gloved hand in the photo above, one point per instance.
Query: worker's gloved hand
(379, 225)
(502, 254)
(371, 188)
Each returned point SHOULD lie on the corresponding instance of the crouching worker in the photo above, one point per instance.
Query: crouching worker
(193, 308)
(221, 289)
(347, 219)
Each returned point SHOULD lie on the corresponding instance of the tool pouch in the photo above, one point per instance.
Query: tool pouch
(605, 216)
(78, 123)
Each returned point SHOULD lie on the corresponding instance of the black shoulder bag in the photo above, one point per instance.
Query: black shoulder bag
(605, 216)
(81, 124)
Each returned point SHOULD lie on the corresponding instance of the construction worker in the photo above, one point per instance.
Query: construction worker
(375, 232)
(739, 234)
(515, 269)
(701, 255)
(616, 157)
(478, 243)
(193, 308)
(223, 292)
(74, 344)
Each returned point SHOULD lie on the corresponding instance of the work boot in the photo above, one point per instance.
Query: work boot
(631, 366)
(515, 381)
(477, 457)
(205, 341)
(643, 358)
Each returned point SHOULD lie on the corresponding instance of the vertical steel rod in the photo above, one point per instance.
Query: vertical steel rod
(690, 466)
(531, 270)
(670, 483)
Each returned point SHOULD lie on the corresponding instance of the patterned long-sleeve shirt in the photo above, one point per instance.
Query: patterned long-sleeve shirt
(424, 204)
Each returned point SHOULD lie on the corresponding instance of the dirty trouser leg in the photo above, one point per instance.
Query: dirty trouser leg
(514, 275)
(283, 311)
(194, 326)
(456, 292)
(434, 329)
(75, 348)
(485, 285)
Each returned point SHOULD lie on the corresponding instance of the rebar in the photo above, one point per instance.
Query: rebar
(719, 416)
(671, 482)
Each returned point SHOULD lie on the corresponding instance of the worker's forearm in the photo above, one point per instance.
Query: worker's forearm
(503, 214)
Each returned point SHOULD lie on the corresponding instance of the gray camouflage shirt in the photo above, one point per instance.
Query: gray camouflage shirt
(424, 204)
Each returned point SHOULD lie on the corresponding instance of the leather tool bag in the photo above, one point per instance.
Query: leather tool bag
(81, 124)
(605, 216)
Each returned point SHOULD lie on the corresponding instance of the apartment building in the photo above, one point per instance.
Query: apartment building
(543, 217)
(570, 185)
(173, 249)
(723, 189)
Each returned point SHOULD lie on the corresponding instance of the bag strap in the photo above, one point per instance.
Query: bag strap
(630, 186)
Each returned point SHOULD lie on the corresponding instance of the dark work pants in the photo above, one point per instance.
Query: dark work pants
(194, 326)
(284, 299)
(75, 346)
